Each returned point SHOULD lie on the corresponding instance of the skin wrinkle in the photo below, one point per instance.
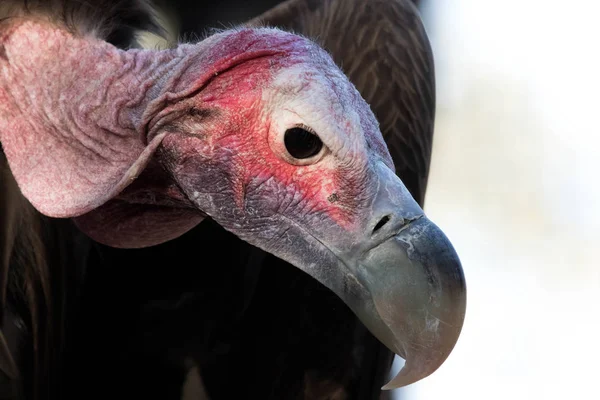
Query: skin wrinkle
(98, 145)
(95, 144)
(83, 117)
(188, 120)
(220, 88)
(172, 97)
(295, 201)
(102, 94)
(128, 101)
(152, 81)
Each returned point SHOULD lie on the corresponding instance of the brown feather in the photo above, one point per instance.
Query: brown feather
(116, 21)
(8, 220)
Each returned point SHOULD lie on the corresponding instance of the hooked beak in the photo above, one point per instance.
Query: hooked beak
(410, 290)
(418, 298)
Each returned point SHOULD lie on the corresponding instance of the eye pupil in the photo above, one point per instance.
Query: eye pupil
(301, 143)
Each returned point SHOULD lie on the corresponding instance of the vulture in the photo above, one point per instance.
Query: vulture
(237, 216)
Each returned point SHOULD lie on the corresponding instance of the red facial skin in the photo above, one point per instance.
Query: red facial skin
(336, 189)
(242, 130)
(199, 102)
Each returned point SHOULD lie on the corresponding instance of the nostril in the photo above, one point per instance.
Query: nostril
(381, 223)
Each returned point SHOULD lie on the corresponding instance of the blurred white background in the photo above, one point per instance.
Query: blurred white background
(514, 185)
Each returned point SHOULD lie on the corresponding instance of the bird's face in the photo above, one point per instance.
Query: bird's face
(282, 150)
(271, 146)
(256, 128)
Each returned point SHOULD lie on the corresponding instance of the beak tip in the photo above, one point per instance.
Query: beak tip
(411, 373)
(391, 385)
(403, 378)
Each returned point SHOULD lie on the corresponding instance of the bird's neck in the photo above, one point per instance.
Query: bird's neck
(57, 80)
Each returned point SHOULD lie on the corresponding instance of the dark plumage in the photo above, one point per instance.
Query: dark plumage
(136, 321)
(116, 21)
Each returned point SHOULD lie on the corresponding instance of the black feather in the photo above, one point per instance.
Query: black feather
(116, 21)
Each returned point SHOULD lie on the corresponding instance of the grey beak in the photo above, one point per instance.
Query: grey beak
(410, 291)
(419, 295)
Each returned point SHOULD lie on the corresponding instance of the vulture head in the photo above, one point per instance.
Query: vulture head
(255, 128)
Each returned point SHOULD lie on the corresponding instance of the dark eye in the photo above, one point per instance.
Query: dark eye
(301, 143)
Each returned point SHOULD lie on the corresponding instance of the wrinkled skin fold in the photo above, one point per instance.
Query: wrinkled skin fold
(140, 146)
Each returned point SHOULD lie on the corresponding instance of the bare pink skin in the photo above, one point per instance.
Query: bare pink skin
(58, 92)
(82, 119)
